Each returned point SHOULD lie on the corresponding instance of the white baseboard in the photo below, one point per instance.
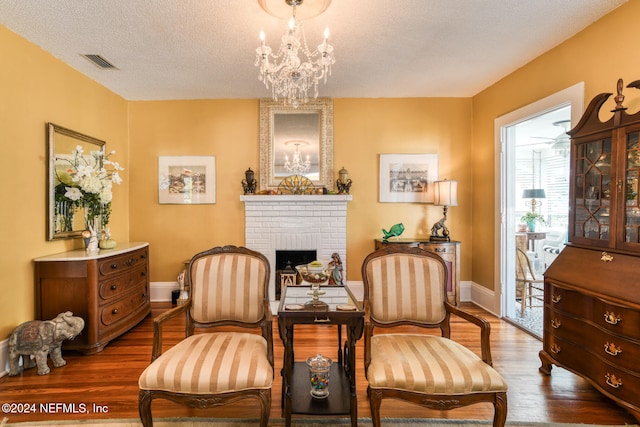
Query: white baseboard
(465, 291)
(483, 298)
(161, 291)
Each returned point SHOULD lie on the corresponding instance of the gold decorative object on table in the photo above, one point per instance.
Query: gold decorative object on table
(315, 274)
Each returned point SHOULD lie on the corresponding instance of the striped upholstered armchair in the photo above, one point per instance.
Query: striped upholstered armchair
(228, 288)
(407, 286)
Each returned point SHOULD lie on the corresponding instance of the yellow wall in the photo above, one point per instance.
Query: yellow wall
(35, 89)
(229, 129)
(599, 55)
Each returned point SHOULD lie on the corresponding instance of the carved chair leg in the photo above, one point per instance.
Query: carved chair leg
(500, 408)
(144, 408)
(265, 407)
(375, 399)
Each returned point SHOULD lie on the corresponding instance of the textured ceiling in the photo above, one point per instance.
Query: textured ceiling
(197, 49)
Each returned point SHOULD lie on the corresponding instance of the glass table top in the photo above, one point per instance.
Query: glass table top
(337, 298)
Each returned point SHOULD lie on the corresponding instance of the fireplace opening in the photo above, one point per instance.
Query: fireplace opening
(292, 258)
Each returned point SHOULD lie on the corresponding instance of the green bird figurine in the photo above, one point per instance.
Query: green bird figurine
(395, 230)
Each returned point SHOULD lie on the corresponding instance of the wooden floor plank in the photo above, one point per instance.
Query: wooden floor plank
(104, 385)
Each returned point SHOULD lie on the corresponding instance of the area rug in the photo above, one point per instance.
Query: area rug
(278, 422)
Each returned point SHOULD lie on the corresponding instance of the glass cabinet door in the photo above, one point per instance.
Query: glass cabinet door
(592, 191)
(632, 209)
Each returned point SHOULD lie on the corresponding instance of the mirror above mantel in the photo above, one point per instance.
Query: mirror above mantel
(304, 133)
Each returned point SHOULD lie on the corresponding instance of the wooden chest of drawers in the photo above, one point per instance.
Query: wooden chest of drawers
(592, 322)
(110, 291)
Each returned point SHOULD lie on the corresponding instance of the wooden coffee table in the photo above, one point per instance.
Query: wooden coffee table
(336, 306)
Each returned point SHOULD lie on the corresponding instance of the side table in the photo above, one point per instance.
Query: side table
(340, 308)
(448, 251)
(532, 236)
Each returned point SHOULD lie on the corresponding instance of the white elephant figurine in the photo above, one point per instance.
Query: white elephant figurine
(38, 338)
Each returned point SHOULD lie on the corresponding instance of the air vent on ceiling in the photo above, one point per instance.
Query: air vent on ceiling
(100, 62)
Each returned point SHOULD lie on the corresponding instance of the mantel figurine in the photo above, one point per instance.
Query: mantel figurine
(344, 182)
(249, 182)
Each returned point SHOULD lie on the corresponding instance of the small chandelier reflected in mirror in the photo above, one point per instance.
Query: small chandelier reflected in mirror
(296, 166)
(294, 70)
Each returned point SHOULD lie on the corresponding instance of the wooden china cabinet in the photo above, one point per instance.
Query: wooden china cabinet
(592, 290)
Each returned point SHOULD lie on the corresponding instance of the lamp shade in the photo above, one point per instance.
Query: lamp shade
(533, 193)
(446, 193)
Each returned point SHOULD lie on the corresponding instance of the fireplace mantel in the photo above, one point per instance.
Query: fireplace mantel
(296, 222)
(320, 198)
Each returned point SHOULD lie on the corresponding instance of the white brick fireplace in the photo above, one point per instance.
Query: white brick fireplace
(297, 222)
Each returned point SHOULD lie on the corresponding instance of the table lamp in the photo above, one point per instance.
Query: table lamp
(445, 194)
(534, 194)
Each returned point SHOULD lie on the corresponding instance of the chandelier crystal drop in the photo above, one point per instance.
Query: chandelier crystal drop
(296, 166)
(294, 70)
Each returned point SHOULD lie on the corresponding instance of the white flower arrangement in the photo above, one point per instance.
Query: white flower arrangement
(87, 180)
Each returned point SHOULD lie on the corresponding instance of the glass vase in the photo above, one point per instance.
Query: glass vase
(93, 217)
(64, 216)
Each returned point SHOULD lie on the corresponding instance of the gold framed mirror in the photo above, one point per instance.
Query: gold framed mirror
(64, 219)
(296, 141)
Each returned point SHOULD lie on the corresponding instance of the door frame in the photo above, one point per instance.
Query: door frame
(505, 167)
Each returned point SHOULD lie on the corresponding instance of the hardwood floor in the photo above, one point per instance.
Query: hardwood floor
(104, 385)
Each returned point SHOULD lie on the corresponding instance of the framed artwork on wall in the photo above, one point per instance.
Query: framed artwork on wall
(186, 180)
(408, 177)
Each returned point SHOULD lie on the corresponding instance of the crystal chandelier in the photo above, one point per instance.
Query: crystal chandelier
(296, 166)
(294, 70)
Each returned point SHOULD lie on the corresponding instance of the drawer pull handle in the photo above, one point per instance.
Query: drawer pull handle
(555, 348)
(612, 318)
(143, 273)
(606, 257)
(556, 298)
(555, 323)
(612, 349)
(441, 250)
(114, 287)
(613, 381)
(325, 320)
(114, 311)
(114, 266)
